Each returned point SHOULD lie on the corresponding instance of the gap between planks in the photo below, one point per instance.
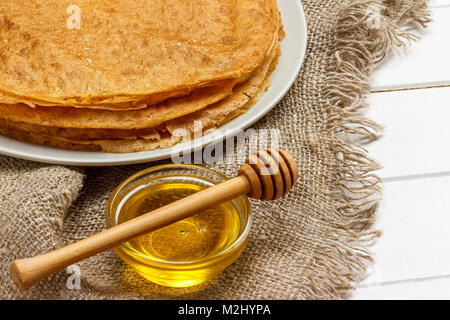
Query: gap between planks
(419, 87)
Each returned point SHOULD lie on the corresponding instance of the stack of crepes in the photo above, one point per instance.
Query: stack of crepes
(124, 75)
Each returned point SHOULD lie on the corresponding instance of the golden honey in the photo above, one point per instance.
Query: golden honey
(189, 251)
(200, 236)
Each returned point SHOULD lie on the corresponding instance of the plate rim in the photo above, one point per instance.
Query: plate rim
(192, 146)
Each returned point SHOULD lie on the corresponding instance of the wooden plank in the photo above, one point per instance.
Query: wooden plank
(414, 217)
(416, 139)
(424, 63)
(425, 289)
(439, 3)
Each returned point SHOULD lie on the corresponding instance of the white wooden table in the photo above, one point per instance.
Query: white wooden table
(411, 99)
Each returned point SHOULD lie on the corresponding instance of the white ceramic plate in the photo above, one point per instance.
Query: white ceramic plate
(293, 49)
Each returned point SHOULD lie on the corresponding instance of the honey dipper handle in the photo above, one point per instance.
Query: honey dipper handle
(27, 272)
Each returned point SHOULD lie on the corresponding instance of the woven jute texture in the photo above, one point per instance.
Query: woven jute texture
(311, 244)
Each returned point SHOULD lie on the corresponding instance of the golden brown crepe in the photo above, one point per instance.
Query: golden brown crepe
(152, 116)
(127, 50)
(22, 118)
(124, 106)
(75, 133)
(64, 117)
(213, 116)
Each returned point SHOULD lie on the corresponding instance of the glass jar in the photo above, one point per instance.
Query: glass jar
(162, 255)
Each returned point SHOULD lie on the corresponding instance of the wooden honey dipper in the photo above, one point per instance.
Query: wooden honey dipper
(267, 175)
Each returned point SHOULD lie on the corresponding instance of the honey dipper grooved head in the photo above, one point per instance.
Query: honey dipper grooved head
(271, 173)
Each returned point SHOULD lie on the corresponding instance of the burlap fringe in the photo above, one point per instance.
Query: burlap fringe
(360, 45)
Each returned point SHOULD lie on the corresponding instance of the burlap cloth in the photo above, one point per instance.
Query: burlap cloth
(312, 244)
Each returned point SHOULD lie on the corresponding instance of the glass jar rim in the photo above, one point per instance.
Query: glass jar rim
(234, 245)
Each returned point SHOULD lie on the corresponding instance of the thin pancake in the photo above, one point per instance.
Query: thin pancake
(84, 134)
(212, 116)
(88, 133)
(123, 106)
(67, 117)
(127, 50)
